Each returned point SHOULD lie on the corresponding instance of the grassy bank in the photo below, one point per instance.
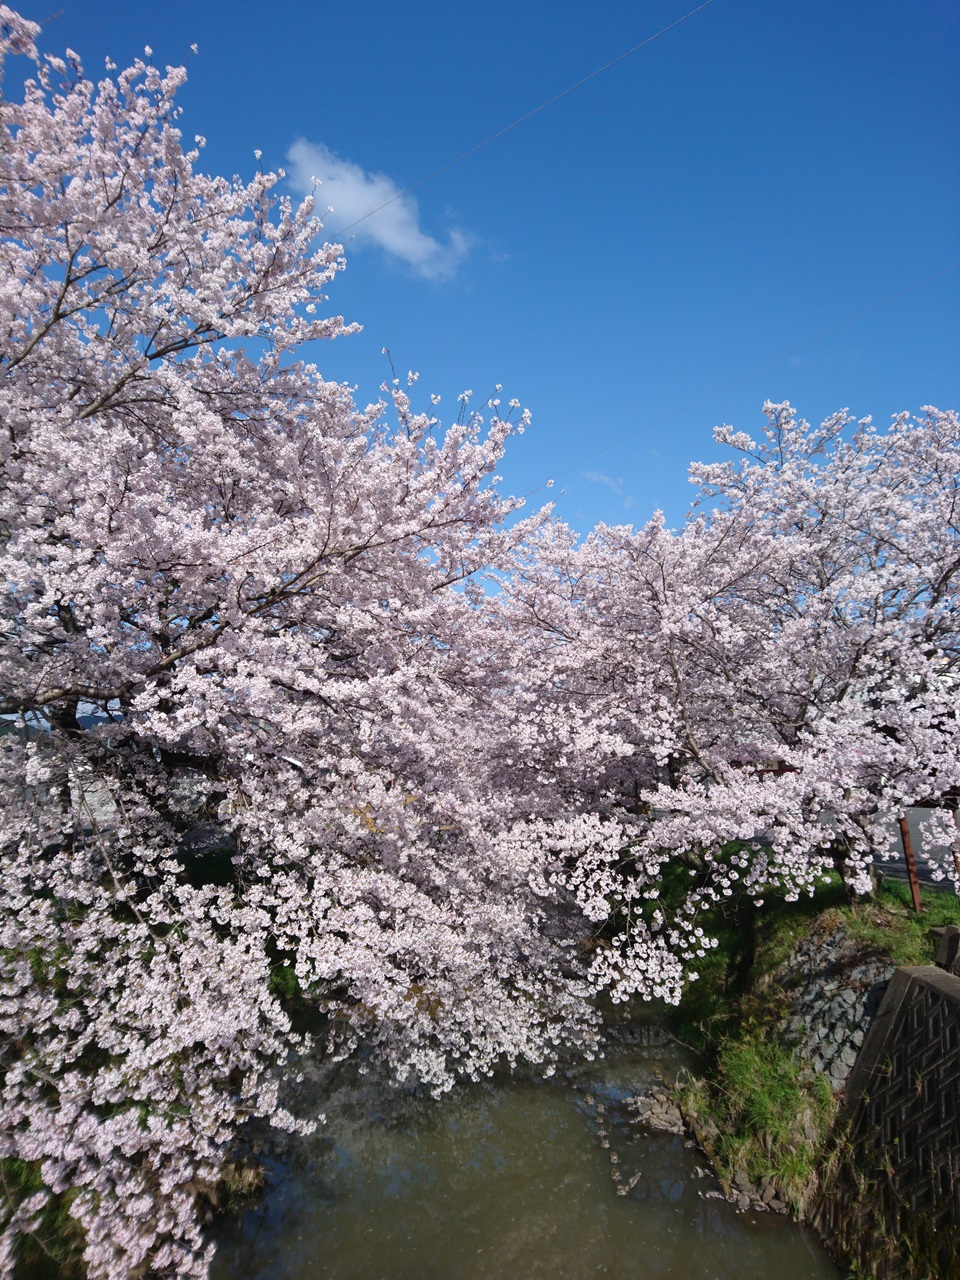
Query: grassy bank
(763, 1114)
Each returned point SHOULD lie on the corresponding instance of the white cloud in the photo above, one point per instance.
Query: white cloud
(598, 477)
(616, 486)
(352, 192)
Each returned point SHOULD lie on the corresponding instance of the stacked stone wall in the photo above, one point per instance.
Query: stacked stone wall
(888, 1041)
(833, 988)
(893, 1204)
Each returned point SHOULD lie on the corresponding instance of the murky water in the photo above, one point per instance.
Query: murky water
(503, 1181)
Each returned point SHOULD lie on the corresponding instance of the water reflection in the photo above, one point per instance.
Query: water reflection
(502, 1181)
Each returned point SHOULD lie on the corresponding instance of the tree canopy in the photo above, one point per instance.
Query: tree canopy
(294, 699)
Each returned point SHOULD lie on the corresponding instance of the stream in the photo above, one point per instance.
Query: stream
(509, 1179)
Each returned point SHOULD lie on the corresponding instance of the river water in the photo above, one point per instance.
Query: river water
(509, 1180)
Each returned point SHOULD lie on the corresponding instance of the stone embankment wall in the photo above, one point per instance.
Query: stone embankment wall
(888, 1041)
(893, 1204)
(833, 989)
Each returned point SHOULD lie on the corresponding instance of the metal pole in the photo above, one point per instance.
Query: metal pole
(911, 862)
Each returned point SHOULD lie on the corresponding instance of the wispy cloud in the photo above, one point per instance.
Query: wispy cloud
(615, 486)
(598, 477)
(352, 191)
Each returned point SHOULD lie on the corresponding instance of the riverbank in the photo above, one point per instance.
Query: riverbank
(780, 1015)
(519, 1176)
(593, 1172)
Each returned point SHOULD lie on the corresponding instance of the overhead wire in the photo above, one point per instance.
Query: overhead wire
(705, 395)
(414, 186)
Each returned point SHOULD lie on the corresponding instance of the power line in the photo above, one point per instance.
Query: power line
(763, 364)
(520, 119)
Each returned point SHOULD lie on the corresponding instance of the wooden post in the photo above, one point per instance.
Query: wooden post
(911, 862)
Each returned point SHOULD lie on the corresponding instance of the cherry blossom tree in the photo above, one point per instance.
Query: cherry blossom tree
(293, 700)
(780, 677)
(256, 720)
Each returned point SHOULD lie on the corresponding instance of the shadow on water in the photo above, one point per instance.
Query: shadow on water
(509, 1179)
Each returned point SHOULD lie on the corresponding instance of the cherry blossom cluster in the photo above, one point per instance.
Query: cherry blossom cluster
(294, 700)
(781, 676)
(255, 717)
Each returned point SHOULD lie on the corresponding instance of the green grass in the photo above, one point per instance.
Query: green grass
(751, 942)
(781, 925)
(891, 927)
(769, 1114)
(284, 983)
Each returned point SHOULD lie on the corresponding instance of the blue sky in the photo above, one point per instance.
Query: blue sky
(648, 257)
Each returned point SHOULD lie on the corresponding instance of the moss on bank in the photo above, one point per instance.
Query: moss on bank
(765, 1117)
